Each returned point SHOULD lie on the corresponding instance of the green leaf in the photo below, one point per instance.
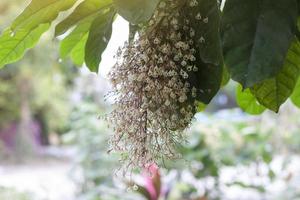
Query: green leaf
(248, 102)
(40, 12)
(207, 81)
(296, 94)
(256, 37)
(272, 93)
(208, 31)
(136, 11)
(100, 34)
(226, 77)
(209, 52)
(84, 11)
(14, 45)
(78, 52)
(201, 107)
(69, 42)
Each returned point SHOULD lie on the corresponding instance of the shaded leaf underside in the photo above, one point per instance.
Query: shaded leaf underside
(209, 53)
(84, 11)
(40, 12)
(256, 37)
(136, 11)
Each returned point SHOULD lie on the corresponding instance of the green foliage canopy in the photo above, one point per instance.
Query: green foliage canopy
(257, 41)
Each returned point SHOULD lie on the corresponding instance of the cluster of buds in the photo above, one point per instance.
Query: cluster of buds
(154, 99)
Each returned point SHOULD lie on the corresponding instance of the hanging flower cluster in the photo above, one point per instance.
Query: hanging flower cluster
(154, 99)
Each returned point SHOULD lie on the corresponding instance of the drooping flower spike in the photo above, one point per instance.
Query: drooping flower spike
(155, 101)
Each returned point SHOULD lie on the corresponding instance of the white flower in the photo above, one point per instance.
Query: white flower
(193, 3)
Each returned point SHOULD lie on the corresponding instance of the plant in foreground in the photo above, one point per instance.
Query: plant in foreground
(155, 97)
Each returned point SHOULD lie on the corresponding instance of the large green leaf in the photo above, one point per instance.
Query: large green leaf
(296, 95)
(136, 11)
(69, 42)
(207, 80)
(78, 52)
(209, 52)
(272, 93)
(256, 37)
(99, 36)
(40, 12)
(85, 10)
(248, 102)
(208, 31)
(14, 45)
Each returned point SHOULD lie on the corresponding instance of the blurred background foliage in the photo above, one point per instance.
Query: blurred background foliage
(8, 193)
(34, 91)
(228, 154)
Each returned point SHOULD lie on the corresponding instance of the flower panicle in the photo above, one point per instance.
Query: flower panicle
(154, 99)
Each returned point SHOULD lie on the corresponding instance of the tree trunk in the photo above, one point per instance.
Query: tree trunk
(24, 138)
